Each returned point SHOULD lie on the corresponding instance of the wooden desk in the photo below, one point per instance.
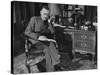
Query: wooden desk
(83, 41)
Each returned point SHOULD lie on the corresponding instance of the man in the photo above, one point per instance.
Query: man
(37, 30)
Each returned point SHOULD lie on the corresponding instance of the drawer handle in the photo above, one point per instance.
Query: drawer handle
(83, 44)
(83, 36)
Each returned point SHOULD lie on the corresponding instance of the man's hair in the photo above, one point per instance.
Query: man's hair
(46, 7)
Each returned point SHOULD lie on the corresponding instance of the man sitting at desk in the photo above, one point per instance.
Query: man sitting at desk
(36, 29)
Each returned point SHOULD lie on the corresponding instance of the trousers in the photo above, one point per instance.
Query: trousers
(51, 55)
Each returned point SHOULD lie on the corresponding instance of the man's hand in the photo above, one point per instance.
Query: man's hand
(51, 40)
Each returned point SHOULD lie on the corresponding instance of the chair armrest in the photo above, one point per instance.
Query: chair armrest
(27, 42)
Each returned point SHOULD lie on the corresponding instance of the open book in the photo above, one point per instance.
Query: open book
(44, 38)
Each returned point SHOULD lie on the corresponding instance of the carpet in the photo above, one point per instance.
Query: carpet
(78, 64)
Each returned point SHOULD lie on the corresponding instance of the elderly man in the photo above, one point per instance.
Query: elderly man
(38, 29)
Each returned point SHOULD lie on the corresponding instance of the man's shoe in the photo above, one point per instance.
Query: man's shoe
(59, 67)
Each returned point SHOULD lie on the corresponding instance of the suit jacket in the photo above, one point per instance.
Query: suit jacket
(36, 27)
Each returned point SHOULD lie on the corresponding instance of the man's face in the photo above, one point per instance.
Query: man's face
(44, 14)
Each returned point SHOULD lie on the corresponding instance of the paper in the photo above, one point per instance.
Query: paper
(44, 38)
(58, 25)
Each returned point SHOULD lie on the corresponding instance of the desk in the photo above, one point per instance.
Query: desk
(83, 41)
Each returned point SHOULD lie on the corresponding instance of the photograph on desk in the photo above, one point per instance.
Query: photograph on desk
(51, 37)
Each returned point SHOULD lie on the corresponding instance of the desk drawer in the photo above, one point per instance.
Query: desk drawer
(83, 45)
(83, 36)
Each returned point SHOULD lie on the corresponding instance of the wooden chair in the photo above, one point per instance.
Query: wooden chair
(33, 55)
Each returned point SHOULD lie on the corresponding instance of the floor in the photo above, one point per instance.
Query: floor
(82, 62)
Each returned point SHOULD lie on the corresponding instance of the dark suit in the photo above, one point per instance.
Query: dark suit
(37, 27)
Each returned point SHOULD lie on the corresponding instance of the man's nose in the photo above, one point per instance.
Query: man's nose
(46, 17)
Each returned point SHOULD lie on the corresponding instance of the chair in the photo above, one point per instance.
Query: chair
(33, 55)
